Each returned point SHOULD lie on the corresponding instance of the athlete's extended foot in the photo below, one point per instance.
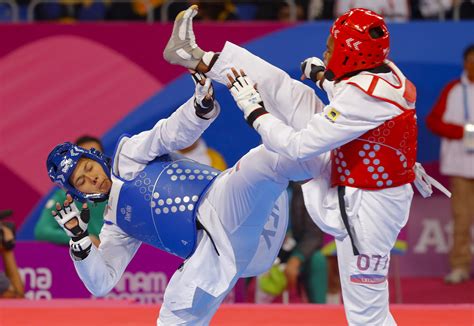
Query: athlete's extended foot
(182, 48)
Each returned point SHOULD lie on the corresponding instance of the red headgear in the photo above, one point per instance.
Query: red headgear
(361, 41)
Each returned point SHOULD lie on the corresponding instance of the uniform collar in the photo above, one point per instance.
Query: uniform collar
(465, 80)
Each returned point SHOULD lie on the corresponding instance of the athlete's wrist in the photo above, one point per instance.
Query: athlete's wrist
(80, 248)
(204, 108)
(255, 114)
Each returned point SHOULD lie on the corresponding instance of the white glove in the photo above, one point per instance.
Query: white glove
(80, 248)
(204, 88)
(248, 99)
(311, 67)
(73, 221)
(203, 96)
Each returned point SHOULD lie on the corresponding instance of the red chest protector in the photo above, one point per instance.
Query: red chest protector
(382, 157)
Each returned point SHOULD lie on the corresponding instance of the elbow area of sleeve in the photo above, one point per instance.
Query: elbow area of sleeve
(294, 148)
(95, 275)
(99, 291)
(97, 286)
(279, 137)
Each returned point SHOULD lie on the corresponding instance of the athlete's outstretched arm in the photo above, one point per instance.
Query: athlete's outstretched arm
(340, 121)
(99, 268)
(104, 266)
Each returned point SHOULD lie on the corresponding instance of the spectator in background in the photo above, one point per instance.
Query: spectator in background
(221, 10)
(306, 262)
(443, 9)
(48, 230)
(464, 8)
(204, 155)
(320, 9)
(137, 10)
(391, 10)
(69, 11)
(300, 263)
(333, 295)
(430, 9)
(284, 12)
(452, 118)
(11, 285)
(279, 10)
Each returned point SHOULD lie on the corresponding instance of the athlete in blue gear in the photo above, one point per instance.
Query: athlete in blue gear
(225, 225)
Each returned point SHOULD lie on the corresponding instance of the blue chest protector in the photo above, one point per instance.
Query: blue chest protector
(159, 206)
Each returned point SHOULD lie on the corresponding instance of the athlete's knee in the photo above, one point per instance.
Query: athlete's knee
(167, 317)
(201, 310)
(178, 317)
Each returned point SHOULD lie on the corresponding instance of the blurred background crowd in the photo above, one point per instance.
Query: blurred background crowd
(228, 10)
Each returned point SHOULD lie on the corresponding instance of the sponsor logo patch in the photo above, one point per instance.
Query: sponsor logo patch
(332, 115)
(368, 278)
(127, 212)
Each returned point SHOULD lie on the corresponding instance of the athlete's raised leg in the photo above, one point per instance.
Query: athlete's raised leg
(290, 100)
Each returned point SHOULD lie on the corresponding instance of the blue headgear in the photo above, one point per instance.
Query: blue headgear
(62, 161)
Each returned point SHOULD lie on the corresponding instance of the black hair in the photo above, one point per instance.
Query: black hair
(87, 138)
(467, 51)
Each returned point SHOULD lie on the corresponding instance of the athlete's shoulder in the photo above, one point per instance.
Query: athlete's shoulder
(452, 85)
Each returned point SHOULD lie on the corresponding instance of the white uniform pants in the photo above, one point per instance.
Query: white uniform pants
(376, 218)
(289, 100)
(235, 211)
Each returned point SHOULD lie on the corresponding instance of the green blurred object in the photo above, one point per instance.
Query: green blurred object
(273, 282)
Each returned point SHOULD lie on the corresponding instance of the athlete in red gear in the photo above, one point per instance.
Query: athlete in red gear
(370, 128)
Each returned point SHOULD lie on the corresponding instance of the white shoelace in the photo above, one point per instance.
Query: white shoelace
(423, 182)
